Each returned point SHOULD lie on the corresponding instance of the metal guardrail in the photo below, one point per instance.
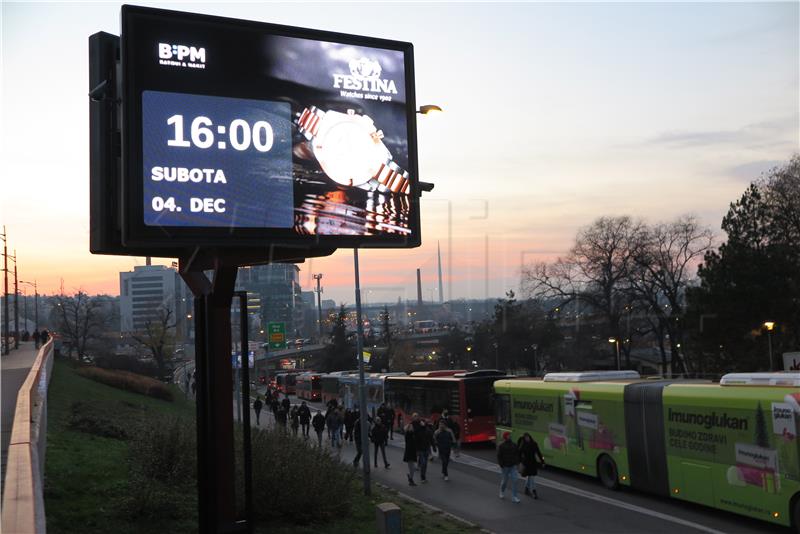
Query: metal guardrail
(23, 498)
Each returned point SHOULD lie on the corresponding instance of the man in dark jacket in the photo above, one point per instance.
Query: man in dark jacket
(379, 435)
(280, 417)
(423, 444)
(445, 440)
(410, 454)
(508, 458)
(286, 403)
(318, 422)
(305, 417)
(359, 449)
(257, 405)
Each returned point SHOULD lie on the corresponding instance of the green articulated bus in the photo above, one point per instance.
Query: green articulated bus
(732, 445)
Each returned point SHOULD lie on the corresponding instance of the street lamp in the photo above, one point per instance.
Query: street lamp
(615, 341)
(428, 109)
(769, 325)
(35, 301)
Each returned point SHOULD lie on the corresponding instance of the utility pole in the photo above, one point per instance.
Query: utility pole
(16, 304)
(6, 346)
(318, 278)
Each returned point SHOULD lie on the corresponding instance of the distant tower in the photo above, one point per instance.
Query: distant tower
(419, 289)
(439, 255)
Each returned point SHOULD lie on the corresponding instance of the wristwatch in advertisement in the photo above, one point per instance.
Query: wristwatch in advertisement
(350, 150)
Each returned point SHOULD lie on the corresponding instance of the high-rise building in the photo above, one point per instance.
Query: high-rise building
(147, 293)
(275, 292)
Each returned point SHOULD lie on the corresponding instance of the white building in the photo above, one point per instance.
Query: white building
(146, 293)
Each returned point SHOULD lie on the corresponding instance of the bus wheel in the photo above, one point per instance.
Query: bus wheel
(607, 472)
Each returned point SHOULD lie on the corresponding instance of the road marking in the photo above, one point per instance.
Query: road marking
(479, 463)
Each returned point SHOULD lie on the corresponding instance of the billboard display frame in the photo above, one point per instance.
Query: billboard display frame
(135, 233)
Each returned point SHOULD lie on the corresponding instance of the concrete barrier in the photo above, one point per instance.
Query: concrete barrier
(23, 499)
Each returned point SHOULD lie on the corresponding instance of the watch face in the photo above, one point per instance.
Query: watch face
(349, 149)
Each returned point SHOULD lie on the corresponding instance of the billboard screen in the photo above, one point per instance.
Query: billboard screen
(239, 132)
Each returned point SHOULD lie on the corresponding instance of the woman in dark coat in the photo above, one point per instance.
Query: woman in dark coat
(410, 454)
(530, 457)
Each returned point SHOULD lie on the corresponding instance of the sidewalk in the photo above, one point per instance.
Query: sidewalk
(14, 369)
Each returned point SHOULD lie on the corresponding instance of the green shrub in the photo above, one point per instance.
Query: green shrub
(129, 382)
(91, 419)
(162, 461)
(297, 481)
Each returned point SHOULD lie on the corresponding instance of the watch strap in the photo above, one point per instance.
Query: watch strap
(309, 120)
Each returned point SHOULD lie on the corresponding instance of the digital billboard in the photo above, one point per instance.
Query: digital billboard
(240, 133)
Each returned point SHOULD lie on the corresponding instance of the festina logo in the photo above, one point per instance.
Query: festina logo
(365, 75)
(178, 55)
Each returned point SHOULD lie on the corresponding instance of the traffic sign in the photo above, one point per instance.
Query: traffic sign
(277, 335)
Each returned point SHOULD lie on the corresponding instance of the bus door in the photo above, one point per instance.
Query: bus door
(644, 436)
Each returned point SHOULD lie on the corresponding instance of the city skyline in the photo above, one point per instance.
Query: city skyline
(554, 115)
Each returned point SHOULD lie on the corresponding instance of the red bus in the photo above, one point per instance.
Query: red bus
(286, 382)
(469, 396)
(309, 386)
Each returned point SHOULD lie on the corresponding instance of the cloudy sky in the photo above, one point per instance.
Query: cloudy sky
(555, 114)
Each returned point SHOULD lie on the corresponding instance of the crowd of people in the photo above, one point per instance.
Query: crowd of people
(39, 338)
(422, 438)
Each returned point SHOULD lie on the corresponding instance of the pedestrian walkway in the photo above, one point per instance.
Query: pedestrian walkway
(14, 369)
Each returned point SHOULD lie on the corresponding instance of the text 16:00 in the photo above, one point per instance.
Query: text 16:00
(240, 134)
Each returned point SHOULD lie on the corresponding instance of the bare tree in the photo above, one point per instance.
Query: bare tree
(158, 337)
(596, 272)
(665, 257)
(80, 319)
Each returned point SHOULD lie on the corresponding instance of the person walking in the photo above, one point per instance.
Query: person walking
(36, 338)
(275, 407)
(349, 421)
(508, 458)
(295, 419)
(333, 423)
(44, 336)
(390, 417)
(422, 444)
(318, 422)
(305, 417)
(378, 436)
(445, 440)
(530, 456)
(280, 417)
(410, 454)
(257, 405)
(286, 403)
(359, 448)
(453, 425)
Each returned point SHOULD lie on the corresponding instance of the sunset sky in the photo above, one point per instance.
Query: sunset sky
(555, 114)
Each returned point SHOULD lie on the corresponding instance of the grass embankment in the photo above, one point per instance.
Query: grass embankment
(98, 479)
(86, 471)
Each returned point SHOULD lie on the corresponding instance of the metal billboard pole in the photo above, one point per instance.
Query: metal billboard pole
(362, 395)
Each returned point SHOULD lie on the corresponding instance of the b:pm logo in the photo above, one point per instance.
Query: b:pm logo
(178, 55)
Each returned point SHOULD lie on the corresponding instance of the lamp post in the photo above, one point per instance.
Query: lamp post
(318, 278)
(35, 301)
(770, 325)
(615, 341)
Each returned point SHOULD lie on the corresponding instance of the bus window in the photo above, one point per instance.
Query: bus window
(479, 398)
(502, 405)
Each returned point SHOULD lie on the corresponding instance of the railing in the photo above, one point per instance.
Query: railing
(23, 499)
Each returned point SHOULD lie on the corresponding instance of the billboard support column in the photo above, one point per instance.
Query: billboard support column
(215, 467)
(362, 396)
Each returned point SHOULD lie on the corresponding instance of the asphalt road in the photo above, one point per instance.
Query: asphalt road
(568, 502)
